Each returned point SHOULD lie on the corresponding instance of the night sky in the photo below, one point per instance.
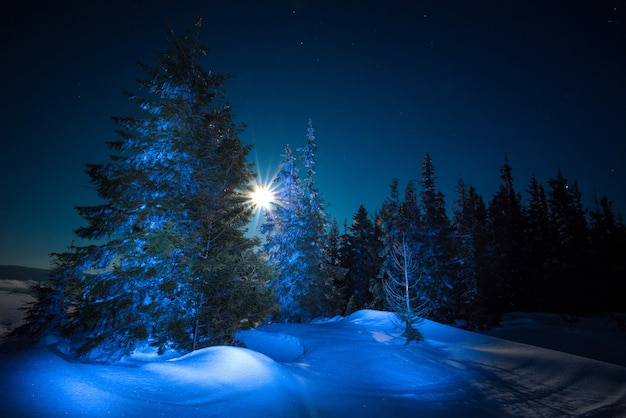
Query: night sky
(384, 82)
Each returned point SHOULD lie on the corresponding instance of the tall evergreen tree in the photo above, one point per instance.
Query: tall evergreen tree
(336, 262)
(507, 254)
(361, 248)
(334, 244)
(540, 239)
(392, 230)
(282, 231)
(171, 253)
(480, 243)
(324, 298)
(434, 240)
(568, 219)
(467, 229)
(402, 290)
(607, 257)
(297, 244)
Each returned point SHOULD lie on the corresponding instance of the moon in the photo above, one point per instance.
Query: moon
(262, 197)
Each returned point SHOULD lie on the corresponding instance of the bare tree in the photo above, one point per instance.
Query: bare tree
(401, 289)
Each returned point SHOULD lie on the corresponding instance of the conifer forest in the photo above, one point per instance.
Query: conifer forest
(170, 259)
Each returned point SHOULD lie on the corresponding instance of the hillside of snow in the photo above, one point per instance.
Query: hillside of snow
(353, 366)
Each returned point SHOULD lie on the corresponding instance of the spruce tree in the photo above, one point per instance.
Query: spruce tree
(296, 233)
(361, 248)
(507, 248)
(540, 238)
(403, 294)
(48, 313)
(323, 273)
(170, 254)
(567, 216)
(391, 231)
(607, 245)
(282, 231)
(434, 240)
(404, 243)
(480, 243)
(465, 243)
(336, 261)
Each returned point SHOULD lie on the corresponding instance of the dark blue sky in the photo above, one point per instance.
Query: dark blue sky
(383, 81)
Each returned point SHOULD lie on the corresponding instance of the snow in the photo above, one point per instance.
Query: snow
(596, 337)
(14, 294)
(353, 366)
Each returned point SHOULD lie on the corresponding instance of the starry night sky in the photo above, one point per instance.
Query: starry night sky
(384, 82)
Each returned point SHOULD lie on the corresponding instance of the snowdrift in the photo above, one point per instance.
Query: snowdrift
(354, 366)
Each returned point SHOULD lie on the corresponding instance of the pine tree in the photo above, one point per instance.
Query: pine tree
(507, 247)
(467, 227)
(434, 241)
(361, 248)
(389, 222)
(402, 288)
(567, 217)
(336, 262)
(47, 315)
(540, 239)
(480, 244)
(170, 253)
(607, 257)
(282, 231)
(324, 273)
(296, 232)
(334, 244)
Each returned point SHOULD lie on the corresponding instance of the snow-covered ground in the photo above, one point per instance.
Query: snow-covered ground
(14, 294)
(344, 367)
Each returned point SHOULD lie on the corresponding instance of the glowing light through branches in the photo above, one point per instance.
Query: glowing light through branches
(262, 197)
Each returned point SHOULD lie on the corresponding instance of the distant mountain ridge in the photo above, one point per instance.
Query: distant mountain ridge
(21, 273)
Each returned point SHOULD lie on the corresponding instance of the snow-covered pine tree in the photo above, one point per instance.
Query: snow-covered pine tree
(47, 314)
(402, 288)
(400, 223)
(317, 225)
(171, 254)
(282, 231)
(297, 245)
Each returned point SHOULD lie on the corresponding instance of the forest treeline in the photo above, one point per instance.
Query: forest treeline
(543, 251)
(164, 259)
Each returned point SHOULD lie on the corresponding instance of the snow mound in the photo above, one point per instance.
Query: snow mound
(222, 376)
(370, 317)
(218, 366)
(358, 366)
(149, 354)
(278, 346)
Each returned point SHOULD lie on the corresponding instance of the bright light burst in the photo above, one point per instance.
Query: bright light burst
(262, 197)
